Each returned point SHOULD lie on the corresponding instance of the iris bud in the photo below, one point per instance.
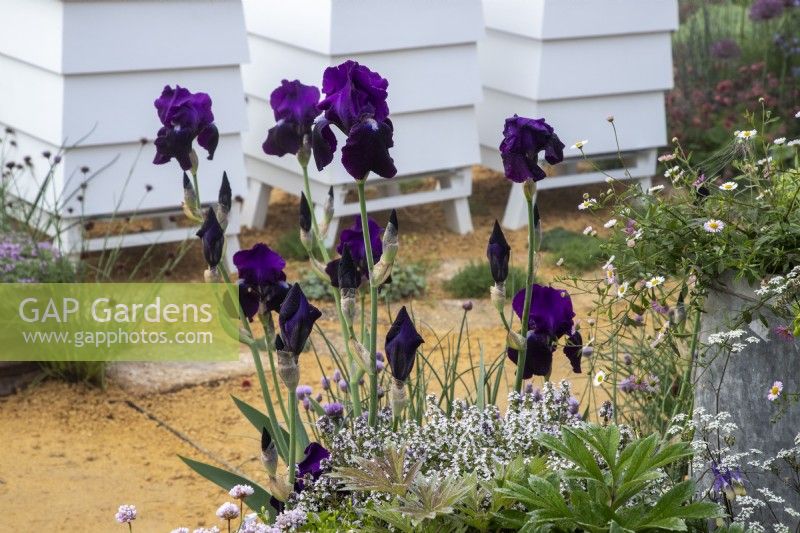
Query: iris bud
(269, 454)
(383, 268)
(327, 213)
(498, 252)
(305, 222)
(224, 201)
(189, 199)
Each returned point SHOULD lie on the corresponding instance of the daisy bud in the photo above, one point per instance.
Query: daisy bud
(383, 268)
(189, 199)
(305, 222)
(398, 397)
(224, 201)
(269, 453)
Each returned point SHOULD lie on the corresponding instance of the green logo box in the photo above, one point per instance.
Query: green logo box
(118, 322)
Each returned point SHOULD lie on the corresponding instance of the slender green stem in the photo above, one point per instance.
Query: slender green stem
(277, 434)
(292, 462)
(323, 250)
(373, 304)
(526, 310)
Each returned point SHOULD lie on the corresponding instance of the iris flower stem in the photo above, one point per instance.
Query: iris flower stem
(262, 380)
(346, 329)
(292, 462)
(526, 310)
(373, 304)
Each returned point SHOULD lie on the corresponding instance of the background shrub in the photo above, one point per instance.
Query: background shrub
(580, 252)
(474, 280)
(408, 281)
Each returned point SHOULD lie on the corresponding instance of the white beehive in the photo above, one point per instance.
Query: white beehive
(88, 73)
(426, 49)
(576, 63)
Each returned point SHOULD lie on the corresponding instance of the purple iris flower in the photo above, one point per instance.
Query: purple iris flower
(402, 341)
(367, 149)
(262, 281)
(550, 318)
(184, 117)
(311, 465)
(295, 108)
(523, 139)
(296, 319)
(323, 143)
(213, 238)
(498, 251)
(355, 101)
(352, 238)
(353, 91)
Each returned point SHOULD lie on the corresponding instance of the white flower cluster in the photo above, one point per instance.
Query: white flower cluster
(713, 439)
(732, 340)
(468, 440)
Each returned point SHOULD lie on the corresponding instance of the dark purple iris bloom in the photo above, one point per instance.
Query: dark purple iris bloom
(550, 318)
(523, 139)
(402, 341)
(323, 143)
(498, 251)
(367, 149)
(213, 238)
(295, 108)
(184, 117)
(296, 319)
(355, 101)
(766, 9)
(311, 465)
(352, 91)
(353, 239)
(261, 279)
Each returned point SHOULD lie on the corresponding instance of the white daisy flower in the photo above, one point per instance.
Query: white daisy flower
(764, 161)
(622, 290)
(579, 144)
(587, 230)
(729, 186)
(775, 391)
(793, 142)
(655, 189)
(586, 204)
(655, 281)
(779, 141)
(712, 225)
(672, 172)
(746, 134)
(610, 224)
(599, 378)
